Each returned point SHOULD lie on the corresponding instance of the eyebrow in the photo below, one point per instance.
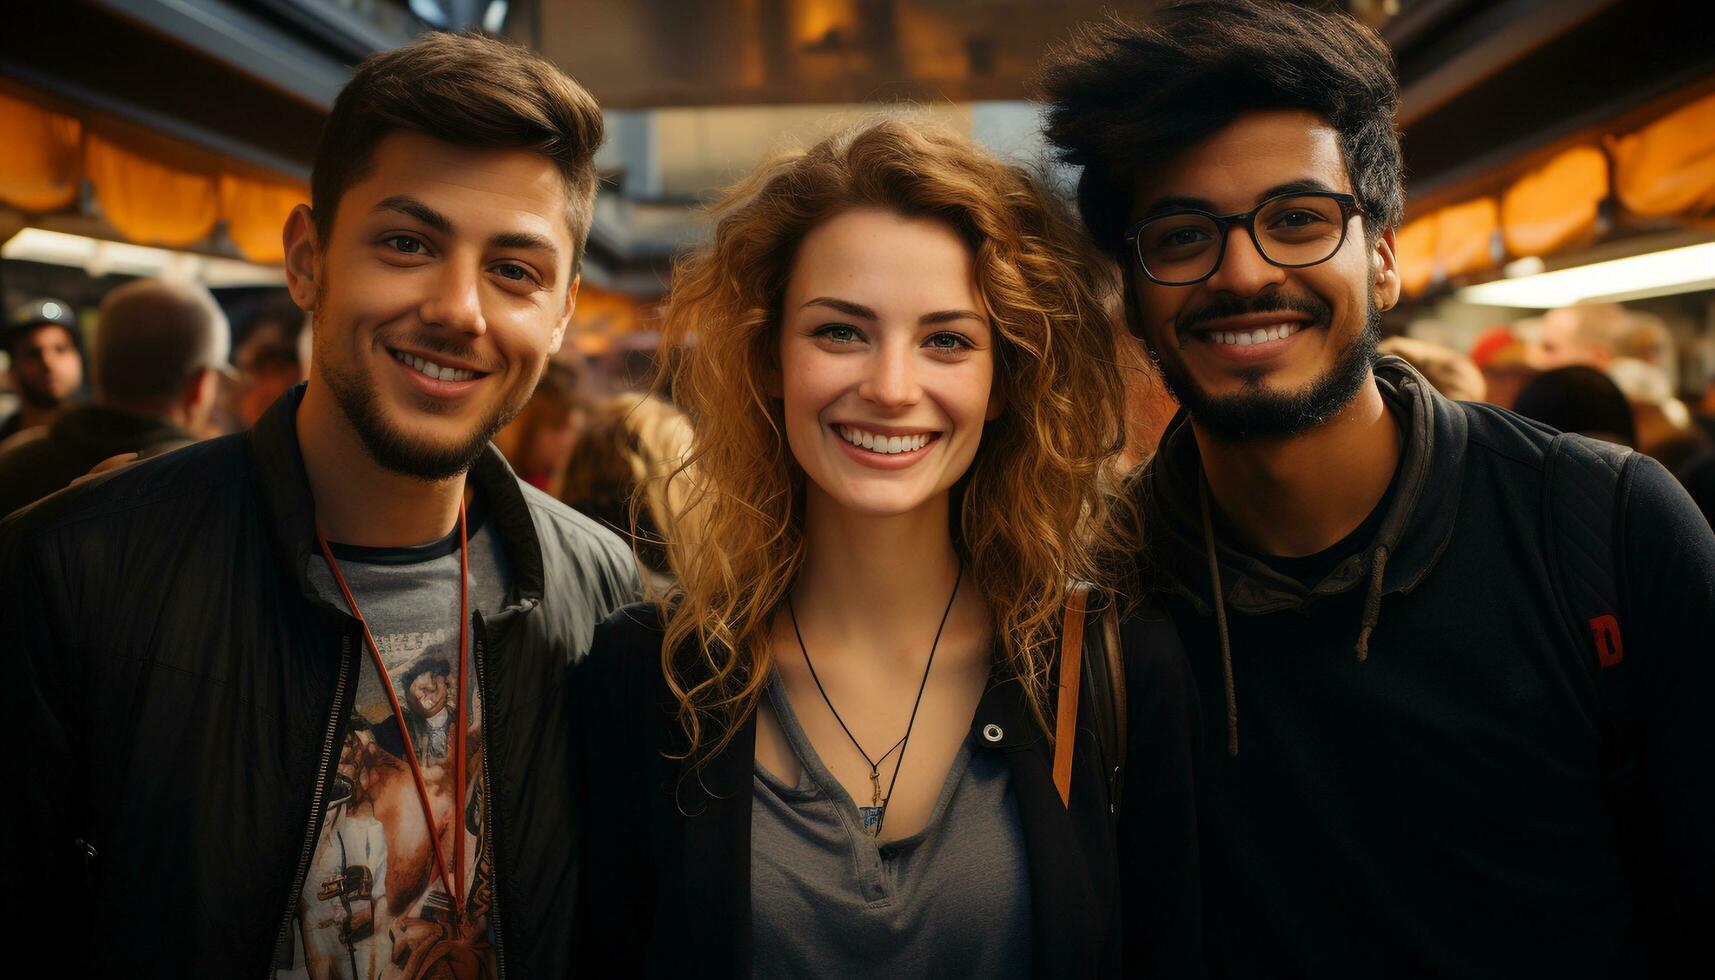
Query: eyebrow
(413, 208)
(1307, 185)
(865, 313)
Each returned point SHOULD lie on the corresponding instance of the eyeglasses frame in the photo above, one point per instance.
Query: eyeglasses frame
(1247, 219)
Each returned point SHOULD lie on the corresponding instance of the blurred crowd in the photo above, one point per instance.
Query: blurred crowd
(1600, 370)
(163, 371)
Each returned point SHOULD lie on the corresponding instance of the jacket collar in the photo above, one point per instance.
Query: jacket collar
(279, 464)
(1415, 530)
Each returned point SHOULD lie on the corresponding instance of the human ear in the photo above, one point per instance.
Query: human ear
(299, 238)
(566, 317)
(1384, 280)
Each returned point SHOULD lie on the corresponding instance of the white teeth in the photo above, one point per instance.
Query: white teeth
(1246, 338)
(437, 371)
(885, 445)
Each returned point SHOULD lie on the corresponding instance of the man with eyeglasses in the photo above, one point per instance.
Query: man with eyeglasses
(1455, 669)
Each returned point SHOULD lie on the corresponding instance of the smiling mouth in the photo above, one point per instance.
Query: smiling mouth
(1245, 338)
(431, 369)
(885, 445)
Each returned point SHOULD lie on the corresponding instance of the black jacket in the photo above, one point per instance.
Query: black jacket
(176, 690)
(71, 444)
(1457, 803)
(667, 879)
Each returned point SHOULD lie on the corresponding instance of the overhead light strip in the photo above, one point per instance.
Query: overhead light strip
(1675, 270)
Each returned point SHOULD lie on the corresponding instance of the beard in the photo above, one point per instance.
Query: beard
(392, 447)
(1257, 412)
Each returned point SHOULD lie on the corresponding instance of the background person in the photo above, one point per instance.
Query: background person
(1454, 671)
(1579, 398)
(539, 443)
(625, 474)
(45, 345)
(269, 360)
(1503, 360)
(159, 355)
(1452, 373)
(824, 756)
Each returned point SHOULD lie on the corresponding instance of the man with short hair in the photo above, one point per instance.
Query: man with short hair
(205, 643)
(268, 359)
(1455, 670)
(46, 367)
(160, 350)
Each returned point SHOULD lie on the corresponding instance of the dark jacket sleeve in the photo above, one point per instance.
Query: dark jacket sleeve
(1159, 872)
(611, 709)
(1667, 583)
(44, 868)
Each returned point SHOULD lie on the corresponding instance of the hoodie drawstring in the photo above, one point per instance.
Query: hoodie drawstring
(1372, 602)
(1220, 618)
(1372, 612)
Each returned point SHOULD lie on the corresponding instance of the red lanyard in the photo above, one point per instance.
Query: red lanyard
(454, 884)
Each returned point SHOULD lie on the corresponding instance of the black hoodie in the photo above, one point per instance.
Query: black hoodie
(1412, 782)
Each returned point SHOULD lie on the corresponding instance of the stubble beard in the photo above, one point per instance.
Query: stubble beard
(1257, 412)
(393, 449)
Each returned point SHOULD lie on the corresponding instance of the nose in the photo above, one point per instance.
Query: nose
(455, 299)
(1243, 271)
(890, 380)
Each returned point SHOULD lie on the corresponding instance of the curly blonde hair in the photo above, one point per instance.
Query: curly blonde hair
(1031, 513)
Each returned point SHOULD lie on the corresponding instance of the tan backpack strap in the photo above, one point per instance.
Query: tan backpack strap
(1066, 709)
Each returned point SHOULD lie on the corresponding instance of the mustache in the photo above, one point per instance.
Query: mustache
(1227, 305)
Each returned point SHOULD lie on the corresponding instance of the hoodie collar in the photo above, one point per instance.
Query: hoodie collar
(1415, 531)
(279, 464)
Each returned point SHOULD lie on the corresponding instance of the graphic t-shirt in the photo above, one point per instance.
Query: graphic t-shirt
(374, 904)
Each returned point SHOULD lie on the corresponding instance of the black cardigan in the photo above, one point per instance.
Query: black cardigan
(666, 882)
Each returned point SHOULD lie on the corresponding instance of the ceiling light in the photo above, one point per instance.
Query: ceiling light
(97, 257)
(1676, 270)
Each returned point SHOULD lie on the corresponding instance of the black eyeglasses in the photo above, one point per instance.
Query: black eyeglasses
(1292, 231)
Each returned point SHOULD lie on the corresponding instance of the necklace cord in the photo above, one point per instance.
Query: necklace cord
(454, 882)
(904, 740)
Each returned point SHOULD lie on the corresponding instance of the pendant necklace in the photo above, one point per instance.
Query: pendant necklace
(873, 814)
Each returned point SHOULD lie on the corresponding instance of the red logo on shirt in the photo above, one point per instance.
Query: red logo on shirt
(1605, 630)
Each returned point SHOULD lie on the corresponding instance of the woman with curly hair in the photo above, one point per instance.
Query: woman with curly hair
(829, 751)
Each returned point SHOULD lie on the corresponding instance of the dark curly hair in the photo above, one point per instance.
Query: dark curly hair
(1124, 98)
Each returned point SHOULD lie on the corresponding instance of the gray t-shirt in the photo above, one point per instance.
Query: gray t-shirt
(827, 901)
(373, 904)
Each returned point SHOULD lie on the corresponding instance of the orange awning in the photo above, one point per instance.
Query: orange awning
(1465, 236)
(150, 203)
(1555, 206)
(1667, 169)
(255, 213)
(1414, 250)
(40, 169)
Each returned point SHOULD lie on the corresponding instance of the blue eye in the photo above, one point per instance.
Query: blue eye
(839, 333)
(513, 271)
(946, 341)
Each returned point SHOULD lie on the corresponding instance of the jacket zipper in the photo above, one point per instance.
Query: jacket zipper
(308, 849)
(490, 826)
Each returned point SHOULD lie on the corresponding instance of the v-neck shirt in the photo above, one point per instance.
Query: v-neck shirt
(827, 899)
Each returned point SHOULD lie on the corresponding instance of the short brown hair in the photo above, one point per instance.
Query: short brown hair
(1124, 99)
(469, 90)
